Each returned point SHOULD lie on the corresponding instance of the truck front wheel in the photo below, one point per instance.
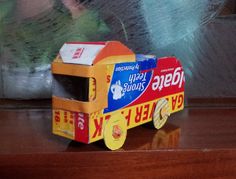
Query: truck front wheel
(115, 132)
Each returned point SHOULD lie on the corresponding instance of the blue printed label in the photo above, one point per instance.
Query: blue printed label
(127, 85)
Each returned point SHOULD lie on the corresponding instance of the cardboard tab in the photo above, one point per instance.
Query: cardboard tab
(91, 53)
(78, 53)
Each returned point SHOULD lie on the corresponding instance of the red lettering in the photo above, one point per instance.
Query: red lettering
(107, 117)
(57, 116)
(138, 114)
(174, 99)
(78, 53)
(145, 112)
(57, 112)
(71, 115)
(98, 127)
(180, 100)
(65, 117)
(153, 109)
(108, 78)
(127, 117)
(93, 82)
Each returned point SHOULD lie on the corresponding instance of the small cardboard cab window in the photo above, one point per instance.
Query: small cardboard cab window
(74, 87)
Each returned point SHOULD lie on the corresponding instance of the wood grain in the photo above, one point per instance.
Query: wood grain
(135, 164)
(198, 142)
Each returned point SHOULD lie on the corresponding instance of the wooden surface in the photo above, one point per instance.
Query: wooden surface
(198, 142)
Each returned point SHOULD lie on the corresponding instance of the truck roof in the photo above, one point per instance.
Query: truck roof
(93, 53)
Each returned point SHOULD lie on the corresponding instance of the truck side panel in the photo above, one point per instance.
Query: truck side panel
(134, 115)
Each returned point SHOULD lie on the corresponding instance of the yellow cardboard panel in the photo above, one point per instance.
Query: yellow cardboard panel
(134, 115)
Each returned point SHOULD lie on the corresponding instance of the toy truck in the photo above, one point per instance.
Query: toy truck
(101, 89)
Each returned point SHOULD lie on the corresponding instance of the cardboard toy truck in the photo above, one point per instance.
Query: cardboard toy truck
(101, 89)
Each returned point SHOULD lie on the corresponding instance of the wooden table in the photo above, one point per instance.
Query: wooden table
(198, 142)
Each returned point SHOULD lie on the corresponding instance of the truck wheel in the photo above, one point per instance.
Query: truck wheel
(115, 132)
(161, 113)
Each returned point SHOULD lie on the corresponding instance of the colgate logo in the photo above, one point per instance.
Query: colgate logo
(167, 80)
(78, 53)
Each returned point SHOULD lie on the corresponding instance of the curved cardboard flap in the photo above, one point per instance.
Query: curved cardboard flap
(91, 53)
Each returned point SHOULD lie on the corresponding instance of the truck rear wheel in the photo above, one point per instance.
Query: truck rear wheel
(161, 113)
(115, 132)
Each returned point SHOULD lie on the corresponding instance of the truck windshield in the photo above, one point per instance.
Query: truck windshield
(72, 87)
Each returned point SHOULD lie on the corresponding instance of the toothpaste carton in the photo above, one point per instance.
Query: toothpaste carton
(102, 89)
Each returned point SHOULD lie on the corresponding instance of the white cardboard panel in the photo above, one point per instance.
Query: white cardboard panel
(83, 54)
